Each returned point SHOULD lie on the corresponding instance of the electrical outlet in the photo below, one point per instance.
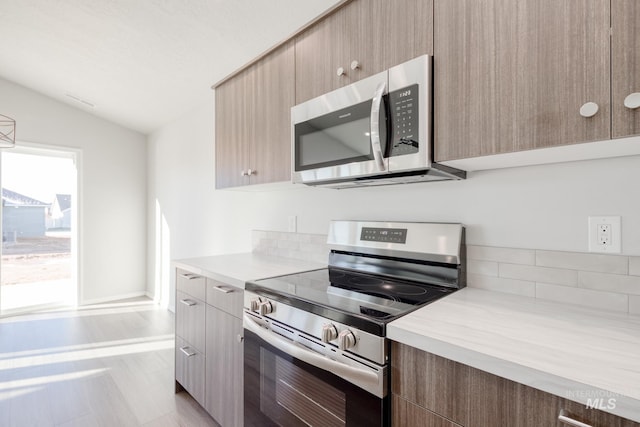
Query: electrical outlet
(605, 234)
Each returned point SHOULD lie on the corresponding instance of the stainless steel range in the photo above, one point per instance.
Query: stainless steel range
(315, 346)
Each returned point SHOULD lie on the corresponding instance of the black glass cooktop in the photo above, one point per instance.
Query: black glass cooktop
(366, 301)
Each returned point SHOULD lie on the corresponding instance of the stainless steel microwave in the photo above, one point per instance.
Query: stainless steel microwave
(376, 131)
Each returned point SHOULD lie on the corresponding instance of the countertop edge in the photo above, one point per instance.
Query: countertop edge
(184, 265)
(224, 268)
(626, 407)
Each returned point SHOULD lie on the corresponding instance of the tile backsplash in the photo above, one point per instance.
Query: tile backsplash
(607, 282)
(308, 247)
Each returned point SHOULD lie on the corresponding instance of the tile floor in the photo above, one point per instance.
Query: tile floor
(103, 365)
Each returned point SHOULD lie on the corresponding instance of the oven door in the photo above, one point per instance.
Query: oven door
(287, 384)
(342, 134)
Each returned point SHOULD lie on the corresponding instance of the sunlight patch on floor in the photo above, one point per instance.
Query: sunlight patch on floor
(90, 353)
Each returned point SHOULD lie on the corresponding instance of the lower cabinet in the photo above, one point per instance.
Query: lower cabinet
(431, 391)
(189, 369)
(209, 346)
(405, 413)
(224, 365)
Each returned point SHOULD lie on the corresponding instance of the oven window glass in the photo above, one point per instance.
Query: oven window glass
(337, 138)
(284, 386)
(280, 390)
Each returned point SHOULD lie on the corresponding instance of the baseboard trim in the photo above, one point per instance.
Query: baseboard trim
(113, 298)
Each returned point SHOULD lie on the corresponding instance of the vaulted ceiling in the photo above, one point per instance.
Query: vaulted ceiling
(139, 63)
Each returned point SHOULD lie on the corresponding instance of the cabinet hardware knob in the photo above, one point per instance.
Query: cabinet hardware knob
(355, 65)
(251, 172)
(564, 418)
(243, 173)
(188, 302)
(223, 289)
(340, 71)
(632, 101)
(589, 109)
(240, 338)
(189, 276)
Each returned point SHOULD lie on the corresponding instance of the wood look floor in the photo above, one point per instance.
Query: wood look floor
(106, 365)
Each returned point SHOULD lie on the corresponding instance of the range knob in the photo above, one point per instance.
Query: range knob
(329, 332)
(254, 304)
(265, 308)
(346, 340)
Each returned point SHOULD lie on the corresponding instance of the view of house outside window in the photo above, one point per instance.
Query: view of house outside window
(36, 230)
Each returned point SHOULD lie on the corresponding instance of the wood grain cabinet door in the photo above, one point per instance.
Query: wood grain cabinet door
(625, 66)
(190, 369)
(334, 42)
(513, 75)
(190, 314)
(377, 34)
(402, 30)
(436, 384)
(270, 151)
(224, 365)
(495, 401)
(234, 111)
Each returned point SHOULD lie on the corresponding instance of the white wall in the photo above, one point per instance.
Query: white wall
(537, 207)
(112, 182)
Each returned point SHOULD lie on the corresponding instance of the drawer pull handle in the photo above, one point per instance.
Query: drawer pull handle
(188, 302)
(566, 419)
(223, 289)
(186, 352)
(189, 276)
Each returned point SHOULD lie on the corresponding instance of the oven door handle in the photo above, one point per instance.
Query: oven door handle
(374, 132)
(347, 372)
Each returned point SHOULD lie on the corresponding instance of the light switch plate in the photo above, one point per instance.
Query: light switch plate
(605, 234)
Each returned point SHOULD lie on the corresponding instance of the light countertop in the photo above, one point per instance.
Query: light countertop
(569, 351)
(236, 269)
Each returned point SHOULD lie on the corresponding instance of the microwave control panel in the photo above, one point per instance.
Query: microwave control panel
(403, 111)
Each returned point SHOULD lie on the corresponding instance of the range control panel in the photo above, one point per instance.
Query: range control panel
(403, 106)
(386, 235)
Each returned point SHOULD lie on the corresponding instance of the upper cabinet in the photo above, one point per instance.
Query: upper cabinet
(360, 39)
(253, 142)
(234, 112)
(509, 76)
(512, 76)
(625, 67)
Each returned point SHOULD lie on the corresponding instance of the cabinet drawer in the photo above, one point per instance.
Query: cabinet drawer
(225, 297)
(439, 385)
(190, 283)
(190, 369)
(190, 320)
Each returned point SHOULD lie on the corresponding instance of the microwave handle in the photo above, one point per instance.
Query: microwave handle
(376, 104)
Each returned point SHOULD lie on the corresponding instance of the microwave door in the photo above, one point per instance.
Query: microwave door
(332, 134)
